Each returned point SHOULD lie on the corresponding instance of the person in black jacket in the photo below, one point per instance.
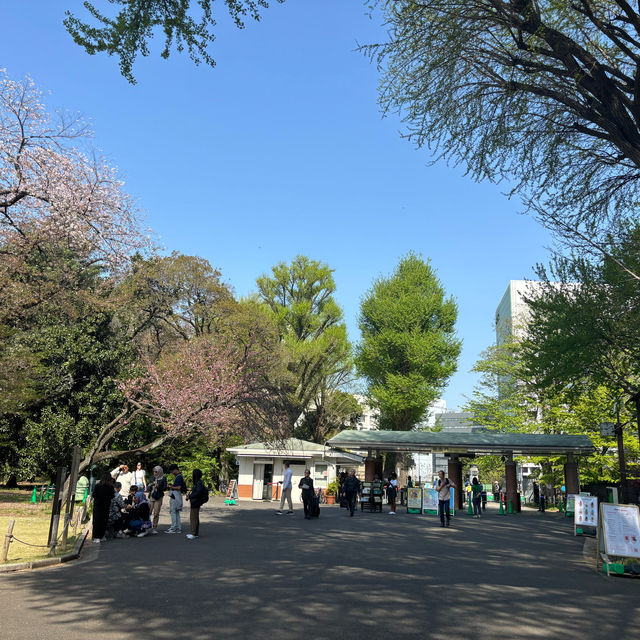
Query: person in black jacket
(196, 498)
(102, 495)
(352, 490)
(308, 494)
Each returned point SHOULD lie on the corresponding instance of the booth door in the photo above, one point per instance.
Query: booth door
(258, 481)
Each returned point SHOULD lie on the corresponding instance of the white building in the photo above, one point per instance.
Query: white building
(512, 314)
(261, 466)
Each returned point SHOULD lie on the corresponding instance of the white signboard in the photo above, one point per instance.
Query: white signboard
(585, 510)
(429, 500)
(621, 527)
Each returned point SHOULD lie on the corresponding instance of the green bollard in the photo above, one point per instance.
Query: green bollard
(511, 506)
(501, 510)
(34, 496)
(560, 507)
(470, 509)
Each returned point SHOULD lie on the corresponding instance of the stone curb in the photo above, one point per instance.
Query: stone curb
(48, 562)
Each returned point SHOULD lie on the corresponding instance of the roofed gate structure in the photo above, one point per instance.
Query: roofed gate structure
(463, 445)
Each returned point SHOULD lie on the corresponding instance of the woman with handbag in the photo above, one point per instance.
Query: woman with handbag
(197, 497)
(308, 494)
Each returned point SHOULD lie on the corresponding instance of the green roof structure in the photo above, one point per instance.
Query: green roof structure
(486, 442)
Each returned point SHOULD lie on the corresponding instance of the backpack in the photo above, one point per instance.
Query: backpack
(205, 494)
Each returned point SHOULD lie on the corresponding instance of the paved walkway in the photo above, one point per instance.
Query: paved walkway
(256, 575)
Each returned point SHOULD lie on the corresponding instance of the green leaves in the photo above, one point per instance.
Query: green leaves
(300, 301)
(409, 348)
(128, 33)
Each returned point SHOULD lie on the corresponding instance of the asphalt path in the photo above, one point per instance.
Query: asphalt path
(253, 574)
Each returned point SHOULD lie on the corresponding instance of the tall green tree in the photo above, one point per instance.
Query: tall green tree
(585, 324)
(167, 300)
(508, 398)
(409, 347)
(300, 300)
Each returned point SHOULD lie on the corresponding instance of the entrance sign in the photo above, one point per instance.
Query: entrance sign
(571, 504)
(414, 500)
(429, 501)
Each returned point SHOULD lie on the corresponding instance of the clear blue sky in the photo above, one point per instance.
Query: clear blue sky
(281, 150)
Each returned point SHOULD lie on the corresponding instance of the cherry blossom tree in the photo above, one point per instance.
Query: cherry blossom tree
(55, 191)
(216, 386)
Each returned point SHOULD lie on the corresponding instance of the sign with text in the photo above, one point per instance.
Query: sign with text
(586, 511)
(621, 529)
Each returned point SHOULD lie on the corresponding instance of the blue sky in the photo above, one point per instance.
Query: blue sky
(282, 150)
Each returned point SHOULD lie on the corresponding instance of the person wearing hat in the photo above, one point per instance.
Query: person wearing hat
(176, 489)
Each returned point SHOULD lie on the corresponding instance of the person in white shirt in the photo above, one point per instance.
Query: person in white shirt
(124, 477)
(443, 486)
(286, 490)
(392, 493)
(139, 477)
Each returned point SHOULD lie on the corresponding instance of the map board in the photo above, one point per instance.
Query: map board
(621, 529)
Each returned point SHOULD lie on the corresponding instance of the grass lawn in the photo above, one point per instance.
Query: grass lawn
(32, 525)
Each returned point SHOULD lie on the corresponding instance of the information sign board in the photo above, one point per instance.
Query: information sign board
(430, 501)
(571, 503)
(586, 511)
(621, 530)
(414, 500)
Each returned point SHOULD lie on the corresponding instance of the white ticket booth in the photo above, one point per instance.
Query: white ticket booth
(261, 467)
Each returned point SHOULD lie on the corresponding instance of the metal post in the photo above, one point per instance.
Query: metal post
(621, 455)
(7, 541)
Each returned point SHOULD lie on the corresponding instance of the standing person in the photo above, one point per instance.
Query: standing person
(116, 521)
(176, 489)
(409, 482)
(443, 487)
(102, 495)
(308, 494)
(476, 497)
(392, 493)
(124, 477)
(496, 491)
(286, 490)
(157, 487)
(352, 490)
(139, 478)
(196, 497)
